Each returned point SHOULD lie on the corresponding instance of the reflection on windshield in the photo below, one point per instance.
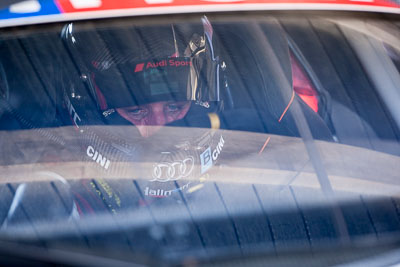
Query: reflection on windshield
(195, 138)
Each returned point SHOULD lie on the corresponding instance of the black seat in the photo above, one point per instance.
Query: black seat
(260, 79)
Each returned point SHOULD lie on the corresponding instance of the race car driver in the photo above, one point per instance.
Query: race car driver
(149, 78)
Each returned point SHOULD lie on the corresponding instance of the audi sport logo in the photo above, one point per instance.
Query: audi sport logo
(172, 171)
(163, 63)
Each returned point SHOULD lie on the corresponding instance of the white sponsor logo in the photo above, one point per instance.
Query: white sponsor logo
(218, 149)
(158, 1)
(80, 4)
(97, 157)
(166, 171)
(163, 193)
(30, 6)
(207, 158)
(108, 112)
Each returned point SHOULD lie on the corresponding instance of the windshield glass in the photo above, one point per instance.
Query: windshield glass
(189, 138)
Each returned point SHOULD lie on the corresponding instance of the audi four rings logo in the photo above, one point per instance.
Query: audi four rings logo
(172, 171)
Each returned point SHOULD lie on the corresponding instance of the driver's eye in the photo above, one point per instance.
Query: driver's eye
(173, 107)
(138, 113)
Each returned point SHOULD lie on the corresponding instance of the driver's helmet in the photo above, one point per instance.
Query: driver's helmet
(129, 66)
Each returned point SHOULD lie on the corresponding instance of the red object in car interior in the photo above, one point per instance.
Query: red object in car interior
(302, 85)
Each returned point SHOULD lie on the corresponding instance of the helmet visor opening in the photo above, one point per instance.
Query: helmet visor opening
(141, 82)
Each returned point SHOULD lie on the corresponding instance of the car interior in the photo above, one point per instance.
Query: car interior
(283, 76)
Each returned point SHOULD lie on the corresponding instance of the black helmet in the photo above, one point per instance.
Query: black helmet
(135, 65)
(127, 67)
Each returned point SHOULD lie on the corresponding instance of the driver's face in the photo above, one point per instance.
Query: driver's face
(150, 118)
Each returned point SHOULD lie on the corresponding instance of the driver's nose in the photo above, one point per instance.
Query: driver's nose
(154, 121)
(157, 115)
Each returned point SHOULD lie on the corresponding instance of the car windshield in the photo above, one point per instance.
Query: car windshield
(186, 139)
